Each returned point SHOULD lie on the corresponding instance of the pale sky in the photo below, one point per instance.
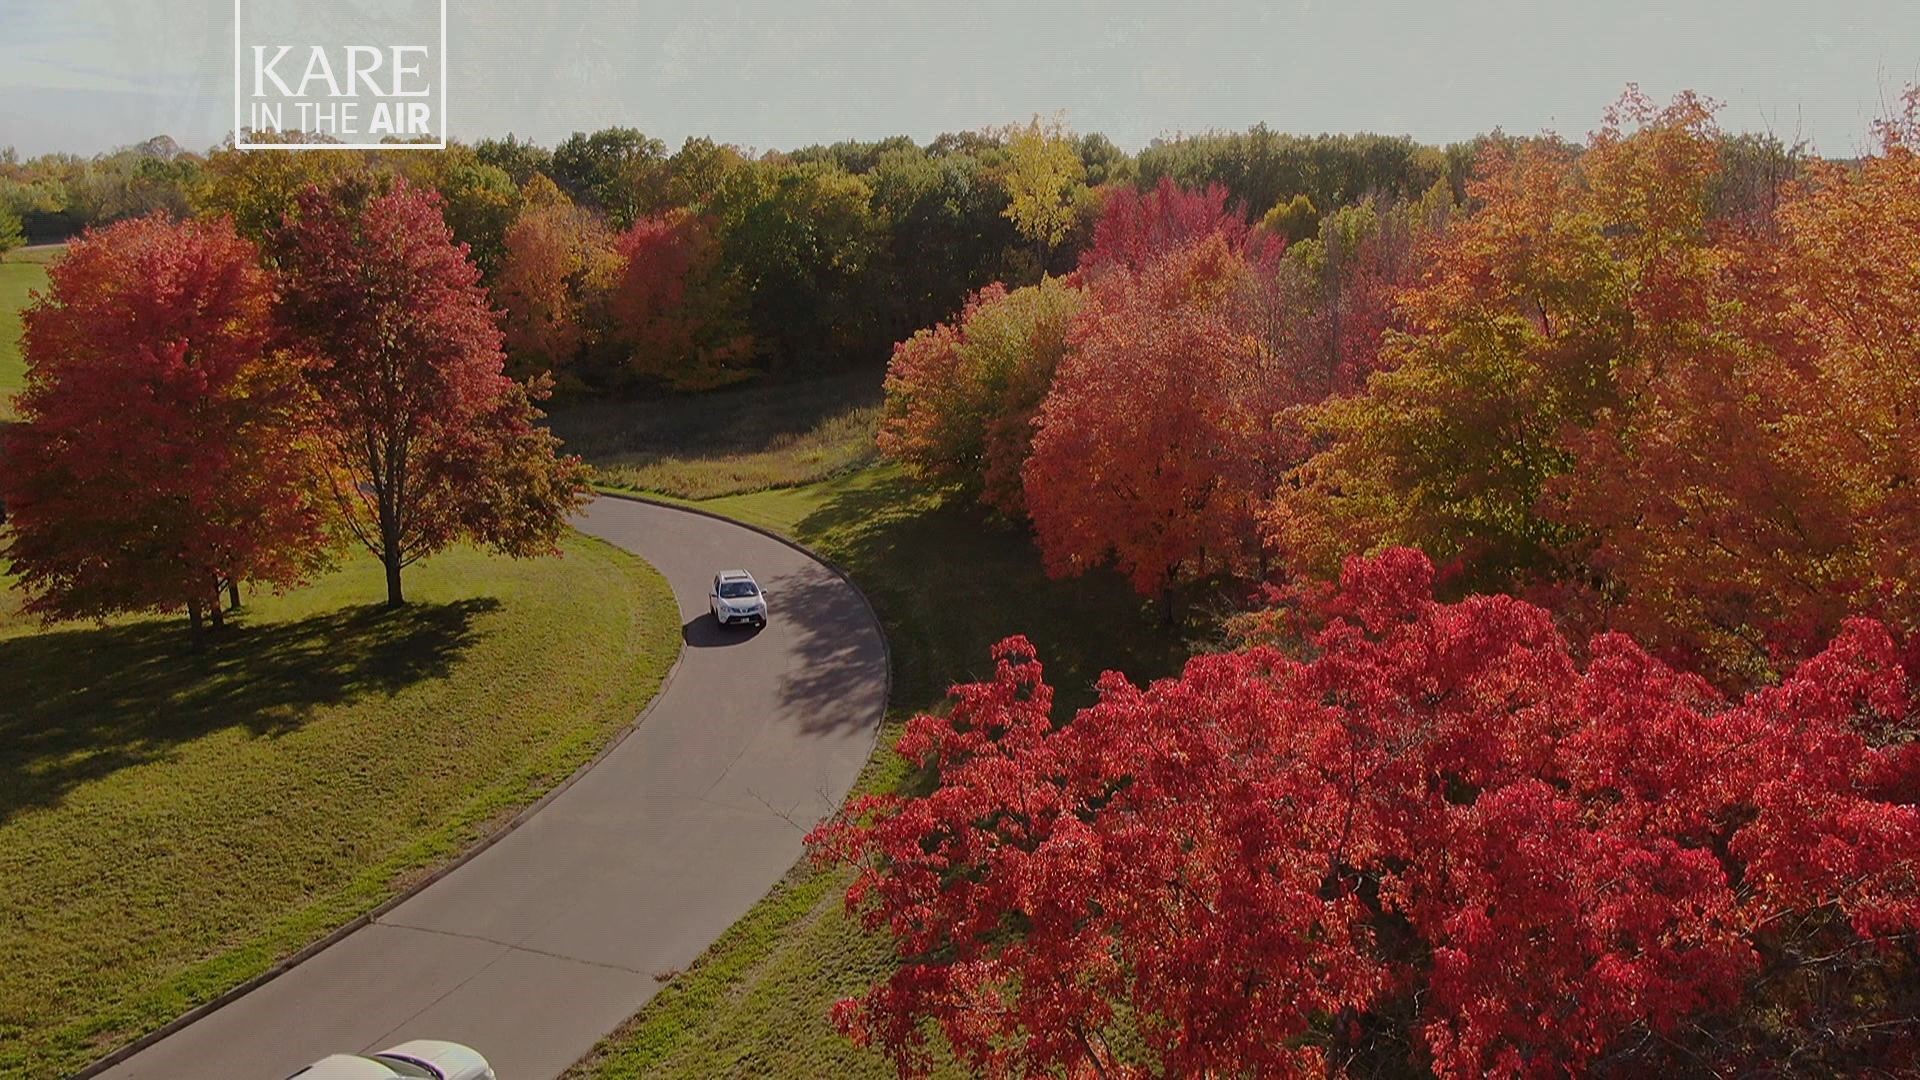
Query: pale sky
(89, 75)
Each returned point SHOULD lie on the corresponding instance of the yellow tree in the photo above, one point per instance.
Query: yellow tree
(1044, 179)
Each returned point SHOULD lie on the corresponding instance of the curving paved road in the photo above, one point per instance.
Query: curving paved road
(548, 939)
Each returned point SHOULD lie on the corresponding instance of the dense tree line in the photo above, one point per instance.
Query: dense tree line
(811, 260)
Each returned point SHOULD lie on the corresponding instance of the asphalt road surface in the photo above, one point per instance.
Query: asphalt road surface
(549, 939)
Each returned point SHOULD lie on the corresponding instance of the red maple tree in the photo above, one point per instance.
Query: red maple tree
(429, 443)
(1437, 842)
(167, 451)
(1136, 227)
(672, 308)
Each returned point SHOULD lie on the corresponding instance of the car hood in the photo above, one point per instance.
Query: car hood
(744, 601)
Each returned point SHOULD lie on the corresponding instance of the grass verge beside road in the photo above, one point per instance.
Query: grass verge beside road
(173, 823)
(947, 584)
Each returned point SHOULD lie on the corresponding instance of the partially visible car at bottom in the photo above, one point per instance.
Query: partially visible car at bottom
(737, 598)
(421, 1059)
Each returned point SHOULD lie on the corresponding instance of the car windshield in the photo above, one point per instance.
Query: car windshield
(734, 590)
(405, 1067)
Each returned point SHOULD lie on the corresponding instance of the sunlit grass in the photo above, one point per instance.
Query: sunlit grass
(21, 272)
(173, 822)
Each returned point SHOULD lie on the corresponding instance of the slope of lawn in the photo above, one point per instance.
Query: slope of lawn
(947, 583)
(20, 272)
(743, 439)
(171, 823)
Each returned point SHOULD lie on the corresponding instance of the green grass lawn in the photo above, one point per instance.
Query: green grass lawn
(22, 270)
(947, 583)
(172, 823)
(728, 442)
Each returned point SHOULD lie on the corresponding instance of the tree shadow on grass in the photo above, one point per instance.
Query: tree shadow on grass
(77, 705)
(949, 581)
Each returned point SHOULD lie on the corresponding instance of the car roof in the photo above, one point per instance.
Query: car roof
(734, 575)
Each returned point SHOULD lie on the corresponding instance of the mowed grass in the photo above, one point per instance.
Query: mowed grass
(172, 823)
(21, 272)
(947, 583)
(728, 442)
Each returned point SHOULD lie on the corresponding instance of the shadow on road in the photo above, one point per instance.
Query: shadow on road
(842, 665)
(81, 704)
(703, 631)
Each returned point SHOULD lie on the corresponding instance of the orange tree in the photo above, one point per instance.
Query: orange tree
(1575, 281)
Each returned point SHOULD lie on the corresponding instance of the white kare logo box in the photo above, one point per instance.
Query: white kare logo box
(374, 77)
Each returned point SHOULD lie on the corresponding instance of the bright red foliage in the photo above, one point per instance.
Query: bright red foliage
(429, 442)
(672, 307)
(1136, 227)
(1438, 843)
(166, 450)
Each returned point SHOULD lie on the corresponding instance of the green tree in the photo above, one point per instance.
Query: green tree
(520, 159)
(697, 171)
(1294, 219)
(11, 233)
(947, 232)
(805, 244)
(617, 169)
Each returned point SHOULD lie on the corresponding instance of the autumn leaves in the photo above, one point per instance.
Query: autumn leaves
(1622, 388)
(200, 413)
(1619, 377)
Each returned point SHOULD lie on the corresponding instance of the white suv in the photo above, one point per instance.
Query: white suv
(736, 598)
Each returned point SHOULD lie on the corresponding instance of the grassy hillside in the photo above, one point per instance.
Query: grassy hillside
(948, 583)
(172, 823)
(20, 272)
(729, 442)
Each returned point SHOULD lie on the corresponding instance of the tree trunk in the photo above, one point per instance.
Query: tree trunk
(392, 560)
(233, 596)
(193, 620)
(214, 614)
